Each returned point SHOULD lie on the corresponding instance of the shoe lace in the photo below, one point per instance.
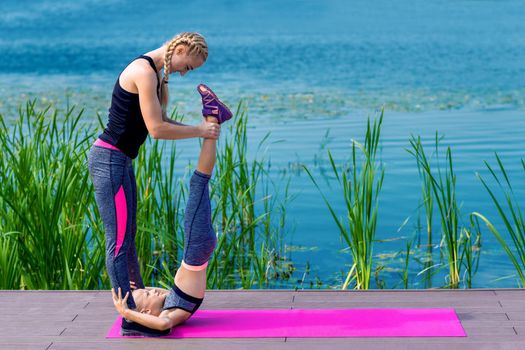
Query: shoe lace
(208, 99)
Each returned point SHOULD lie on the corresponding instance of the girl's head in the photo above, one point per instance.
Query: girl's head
(184, 52)
(149, 301)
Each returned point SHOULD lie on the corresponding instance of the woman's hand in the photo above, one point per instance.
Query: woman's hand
(120, 304)
(210, 130)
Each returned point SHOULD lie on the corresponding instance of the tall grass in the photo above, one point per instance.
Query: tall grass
(428, 205)
(250, 243)
(361, 187)
(44, 195)
(247, 245)
(510, 212)
(47, 202)
(458, 240)
(10, 269)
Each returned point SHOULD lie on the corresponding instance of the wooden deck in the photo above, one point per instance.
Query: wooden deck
(53, 320)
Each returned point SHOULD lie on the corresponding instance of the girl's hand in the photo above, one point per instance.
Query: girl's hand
(210, 130)
(120, 304)
(132, 285)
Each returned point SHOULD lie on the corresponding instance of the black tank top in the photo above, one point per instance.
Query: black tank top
(126, 129)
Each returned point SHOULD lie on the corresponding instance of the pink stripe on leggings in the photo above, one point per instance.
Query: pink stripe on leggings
(104, 144)
(122, 216)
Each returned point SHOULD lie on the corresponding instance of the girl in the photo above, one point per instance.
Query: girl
(138, 108)
(160, 309)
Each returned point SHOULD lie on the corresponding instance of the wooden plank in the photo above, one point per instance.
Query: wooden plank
(511, 297)
(390, 292)
(170, 344)
(20, 322)
(389, 296)
(516, 315)
(19, 338)
(492, 323)
(482, 316)
(420, 345)
(222, 300)
(513, 304)
(510, 292)
(40, 345)
(43, 329)
(520, 329)
(377, 345)
(490, 330)
(493, 319)
(394, 304)
(232, 303)
(42, 315)
(477, 338)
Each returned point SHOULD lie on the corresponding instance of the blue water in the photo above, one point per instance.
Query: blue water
(303, 67)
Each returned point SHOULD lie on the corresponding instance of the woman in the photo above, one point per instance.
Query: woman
(138, 108)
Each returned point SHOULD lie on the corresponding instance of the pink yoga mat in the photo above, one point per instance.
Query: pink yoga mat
(267, 323)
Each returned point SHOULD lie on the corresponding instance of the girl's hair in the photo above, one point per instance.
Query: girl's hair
(196, 46)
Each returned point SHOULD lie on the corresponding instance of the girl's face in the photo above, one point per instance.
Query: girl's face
(182, 63)
(149, 301)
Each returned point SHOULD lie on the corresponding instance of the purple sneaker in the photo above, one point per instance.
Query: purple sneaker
(212, 106)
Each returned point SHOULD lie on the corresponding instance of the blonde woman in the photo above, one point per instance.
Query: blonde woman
(138, 108)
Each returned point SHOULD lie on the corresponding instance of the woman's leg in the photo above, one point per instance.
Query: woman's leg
(113, 195)
(133, 263)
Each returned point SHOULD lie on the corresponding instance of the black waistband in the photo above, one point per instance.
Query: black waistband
(185, 296)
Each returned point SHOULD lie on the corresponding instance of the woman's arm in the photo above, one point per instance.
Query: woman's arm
(171, 121)
(152, 113)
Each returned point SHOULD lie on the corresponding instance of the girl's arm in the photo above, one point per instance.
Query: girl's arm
(150, 321)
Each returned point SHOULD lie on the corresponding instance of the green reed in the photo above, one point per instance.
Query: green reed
(405, 275)
(248, 243)
(458, 240)
(10, 269)
(428, 204)
(44, 194)
(512, 218)
(361, 188)
(57, 237)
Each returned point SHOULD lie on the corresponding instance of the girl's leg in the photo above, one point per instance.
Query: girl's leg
(199, 236)
(208, 153)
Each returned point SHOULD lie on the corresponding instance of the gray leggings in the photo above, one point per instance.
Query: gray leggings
(116, 196)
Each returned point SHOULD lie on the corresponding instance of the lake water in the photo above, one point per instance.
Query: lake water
(305, 68)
